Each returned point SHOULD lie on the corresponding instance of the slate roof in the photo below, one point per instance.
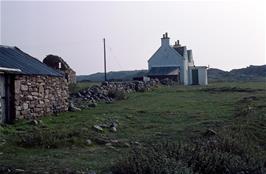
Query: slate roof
(181, 50)
(156, 71)
(13, 57)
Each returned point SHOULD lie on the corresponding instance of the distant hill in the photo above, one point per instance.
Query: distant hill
(113, 75)
(250, 73)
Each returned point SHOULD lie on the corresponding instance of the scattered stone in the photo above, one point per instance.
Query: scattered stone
(19, 170)
(91, 172)
(114, 123)
(73, 108)
(101, 141)
(98, 128)
(210, 132)
(104, 125)
(127, 144)
(113, 129)
(34, 122)
(88, 142)
(108, 144)
(137, 143)
(2, 142)
(114, 141)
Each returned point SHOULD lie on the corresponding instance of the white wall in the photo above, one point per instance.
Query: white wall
(185, 72)
(190, 75)
(202, 75)
(165, 56)
(203, 80)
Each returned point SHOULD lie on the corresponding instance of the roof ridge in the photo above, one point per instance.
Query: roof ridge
(6, 46)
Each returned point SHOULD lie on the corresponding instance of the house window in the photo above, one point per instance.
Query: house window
(59, 65)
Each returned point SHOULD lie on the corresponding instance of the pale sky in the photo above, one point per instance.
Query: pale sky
(223, 34)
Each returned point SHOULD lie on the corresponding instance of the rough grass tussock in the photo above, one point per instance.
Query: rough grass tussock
(204, 156)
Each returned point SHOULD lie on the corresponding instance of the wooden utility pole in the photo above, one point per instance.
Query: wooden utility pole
(105, 75)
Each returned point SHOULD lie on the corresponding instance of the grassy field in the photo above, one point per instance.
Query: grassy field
(165, 114)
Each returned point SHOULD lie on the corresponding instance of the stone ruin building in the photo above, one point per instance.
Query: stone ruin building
(30, 88)
(58, 63)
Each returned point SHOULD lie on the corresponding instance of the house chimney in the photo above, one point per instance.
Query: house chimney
(177, 44)
(165, 40)
(190, 55)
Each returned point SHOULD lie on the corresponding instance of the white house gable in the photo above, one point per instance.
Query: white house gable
(166, 56)
(178, 59)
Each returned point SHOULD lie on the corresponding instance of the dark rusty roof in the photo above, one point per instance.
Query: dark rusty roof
(13, 57)
(53, 62)
(156, 71)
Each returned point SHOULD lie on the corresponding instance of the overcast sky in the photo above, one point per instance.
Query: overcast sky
(225, 34)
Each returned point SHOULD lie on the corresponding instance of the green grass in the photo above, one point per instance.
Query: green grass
(164, 114)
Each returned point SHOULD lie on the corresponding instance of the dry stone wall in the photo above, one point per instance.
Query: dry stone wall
(37, 96)
(108, 92)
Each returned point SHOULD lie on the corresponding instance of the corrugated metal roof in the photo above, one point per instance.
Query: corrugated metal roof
(13, 57)
(155, 71)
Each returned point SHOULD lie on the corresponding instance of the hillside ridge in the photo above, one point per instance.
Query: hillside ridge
(250, 73)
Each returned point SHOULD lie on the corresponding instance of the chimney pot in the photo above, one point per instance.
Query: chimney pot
(165, 40)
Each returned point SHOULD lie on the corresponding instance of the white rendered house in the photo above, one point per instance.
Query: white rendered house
(176, 62)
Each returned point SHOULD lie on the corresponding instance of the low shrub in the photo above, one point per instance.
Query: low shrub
(204, 156)
(47, 138)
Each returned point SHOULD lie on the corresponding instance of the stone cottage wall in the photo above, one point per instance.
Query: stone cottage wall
(37, 96)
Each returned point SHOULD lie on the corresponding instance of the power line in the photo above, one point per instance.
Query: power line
(112, 55)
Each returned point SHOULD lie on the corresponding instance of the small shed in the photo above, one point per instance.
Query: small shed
(28, 87)
(198, 75)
